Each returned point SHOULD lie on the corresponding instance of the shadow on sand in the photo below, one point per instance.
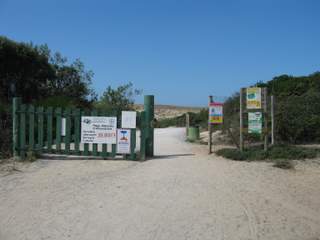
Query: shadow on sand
(117, 158)
(169, 156)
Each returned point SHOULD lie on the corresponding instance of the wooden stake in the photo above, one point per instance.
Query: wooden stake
(272, 120)
(241, 120)
(210, 128)
(265, 96)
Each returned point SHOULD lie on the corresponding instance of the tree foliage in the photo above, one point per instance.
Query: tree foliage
(297, 108)
(33, 73)
(118, 99)
(37, 76)
(297, 111)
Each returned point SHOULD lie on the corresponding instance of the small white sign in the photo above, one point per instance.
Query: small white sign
(63, 127)
(128, 119)
(255, 122)
(123, 141)
(99, 130)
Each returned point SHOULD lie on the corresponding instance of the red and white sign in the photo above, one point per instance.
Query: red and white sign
(99, 130)
(216, 113)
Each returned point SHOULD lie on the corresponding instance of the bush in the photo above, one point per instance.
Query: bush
(274, 153)
(297, 118)
(179, 121)
(6, 133)
(297, 109)
(196, 119)
(283, 163)
(232, 153)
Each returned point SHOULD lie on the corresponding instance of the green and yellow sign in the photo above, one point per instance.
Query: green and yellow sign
(255, 122)
(254, 98)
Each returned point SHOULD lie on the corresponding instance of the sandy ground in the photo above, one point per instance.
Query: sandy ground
(170, 111)
(180, 194)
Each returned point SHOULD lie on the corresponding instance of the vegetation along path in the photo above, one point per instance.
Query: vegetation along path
(180, 194)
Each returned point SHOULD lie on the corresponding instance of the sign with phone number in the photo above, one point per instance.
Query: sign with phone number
(101, 130)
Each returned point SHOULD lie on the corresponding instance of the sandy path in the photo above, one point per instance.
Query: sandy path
(182, 194)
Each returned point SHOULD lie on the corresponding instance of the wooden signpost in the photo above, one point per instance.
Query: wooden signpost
(215, 118)
(210, 128)
(255, 105)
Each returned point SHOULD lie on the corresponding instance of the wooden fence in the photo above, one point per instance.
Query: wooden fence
(41, 130)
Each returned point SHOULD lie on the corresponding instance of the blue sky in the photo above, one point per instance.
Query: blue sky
(180, 51)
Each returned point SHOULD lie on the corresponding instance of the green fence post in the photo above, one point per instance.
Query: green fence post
(49, 128)
(31, 128)
(94, 113)
(143, 136)
(149, 117)
(23, 131)
(68, 130)
(40, 111)
(114, 150)
(133, 144)
(58, 113)
(104, 153)
(16, 102)
(85, 145)
(77, 128)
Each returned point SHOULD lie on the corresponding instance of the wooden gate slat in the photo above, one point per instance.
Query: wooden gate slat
(31, 142)
(104, 152)
(85, 145)
(58, 113)
(23, 131)
(133, 144)
(77, 128)
(67, 114)
(40, 111)
(49, 113)
(94, 146)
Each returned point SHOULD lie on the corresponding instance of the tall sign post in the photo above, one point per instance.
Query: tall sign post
(241, 120)
(215, 117)
(210, 127)
(272, 120)
(257, 113)
(265, 109)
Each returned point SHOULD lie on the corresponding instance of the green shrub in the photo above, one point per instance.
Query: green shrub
(179, 121)
(292, 152)
(273, 153)
(6, 132)
(232, 153)
(31, 156)
(283, 163)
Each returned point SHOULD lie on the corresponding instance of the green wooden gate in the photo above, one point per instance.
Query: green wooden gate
(39, 130)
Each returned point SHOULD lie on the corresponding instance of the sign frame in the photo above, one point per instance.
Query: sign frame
(98, 130)
(123, 141)
(253, 98)
(216, 113)
(255, 121)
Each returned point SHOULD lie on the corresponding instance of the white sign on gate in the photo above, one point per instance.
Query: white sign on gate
(63, 126)
(99, 130)
(123, 141)
(128, 119)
